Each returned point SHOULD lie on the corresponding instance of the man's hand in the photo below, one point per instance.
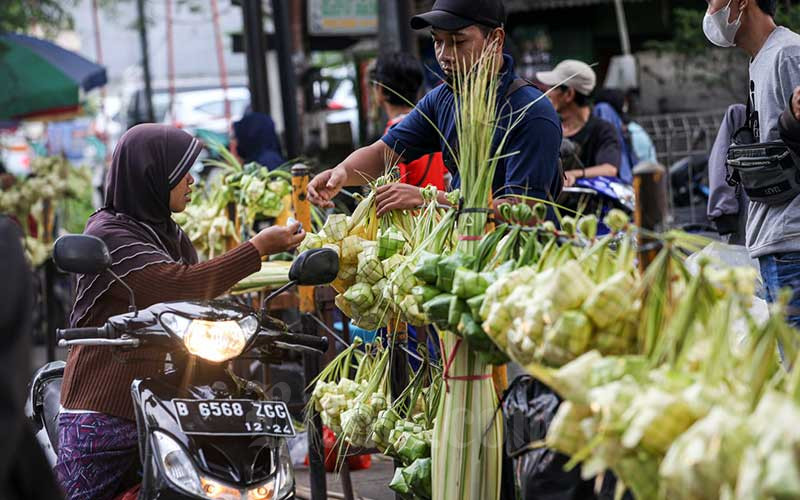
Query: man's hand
(277, 239)
(570, 176)
(325, 186)
(795, 103)
(398, 196)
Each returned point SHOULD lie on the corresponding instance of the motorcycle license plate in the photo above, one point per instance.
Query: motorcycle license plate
(234, 417)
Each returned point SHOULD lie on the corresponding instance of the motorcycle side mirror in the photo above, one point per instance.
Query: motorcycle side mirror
(315, 267)
(318, 266)
(81, 254)
(86, 254)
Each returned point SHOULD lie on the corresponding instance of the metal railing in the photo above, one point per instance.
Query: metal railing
(677, 136)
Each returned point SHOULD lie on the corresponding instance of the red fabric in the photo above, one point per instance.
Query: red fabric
(359, 462)
(413, 172)
(131, 494)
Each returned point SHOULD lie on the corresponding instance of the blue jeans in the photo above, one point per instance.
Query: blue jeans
(779, 271)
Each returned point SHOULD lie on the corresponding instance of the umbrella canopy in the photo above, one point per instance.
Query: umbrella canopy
(38, 77)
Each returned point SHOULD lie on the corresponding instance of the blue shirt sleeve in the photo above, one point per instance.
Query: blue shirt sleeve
(415, 136)
(533, 171)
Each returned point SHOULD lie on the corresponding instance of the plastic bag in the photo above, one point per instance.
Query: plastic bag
(528, 409)
(329, 442)
(724, 255)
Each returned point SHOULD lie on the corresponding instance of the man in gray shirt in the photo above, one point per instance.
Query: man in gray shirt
(773, 231)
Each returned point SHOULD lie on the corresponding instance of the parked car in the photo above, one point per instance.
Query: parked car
(205, 109)
(192, 109)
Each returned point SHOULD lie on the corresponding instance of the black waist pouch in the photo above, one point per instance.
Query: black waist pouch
(767, 171)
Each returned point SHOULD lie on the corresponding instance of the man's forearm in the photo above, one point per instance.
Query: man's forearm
(367, 163)
(605, 169)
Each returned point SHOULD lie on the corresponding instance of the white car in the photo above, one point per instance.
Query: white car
(205, 109)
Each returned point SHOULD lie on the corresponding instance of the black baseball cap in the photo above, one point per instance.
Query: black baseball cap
(453, 15)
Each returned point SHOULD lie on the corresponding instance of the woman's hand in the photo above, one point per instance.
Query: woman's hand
(277, 239)
(398, 196)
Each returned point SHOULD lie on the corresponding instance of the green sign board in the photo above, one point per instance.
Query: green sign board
(342, 17)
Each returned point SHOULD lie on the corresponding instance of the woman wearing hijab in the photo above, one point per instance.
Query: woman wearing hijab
(257, 141)
(148, 181)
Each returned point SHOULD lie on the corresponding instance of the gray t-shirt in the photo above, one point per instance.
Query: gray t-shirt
(775, 72)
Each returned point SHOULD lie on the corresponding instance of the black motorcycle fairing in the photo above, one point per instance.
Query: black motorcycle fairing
(240, 460)
(44, 404)
(146, 319)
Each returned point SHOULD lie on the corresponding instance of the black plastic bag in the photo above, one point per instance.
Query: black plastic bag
(528, 409)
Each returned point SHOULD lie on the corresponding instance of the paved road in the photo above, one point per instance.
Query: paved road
(368, 484)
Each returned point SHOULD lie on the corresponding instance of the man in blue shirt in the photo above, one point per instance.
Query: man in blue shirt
(460, 30)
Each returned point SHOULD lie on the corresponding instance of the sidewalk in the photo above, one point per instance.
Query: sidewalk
(368, 484)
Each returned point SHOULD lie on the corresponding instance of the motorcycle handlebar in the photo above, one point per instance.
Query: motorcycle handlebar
(301, 339)
(91, 332)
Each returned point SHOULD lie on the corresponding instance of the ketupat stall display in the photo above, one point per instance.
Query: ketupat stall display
(251, 191)
(667, 378)
(33, 200)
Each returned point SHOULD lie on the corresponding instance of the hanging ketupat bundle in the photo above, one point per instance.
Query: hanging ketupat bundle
(467, 447)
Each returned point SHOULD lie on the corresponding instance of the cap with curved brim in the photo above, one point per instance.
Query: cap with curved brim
(549, 78)
(440, 19)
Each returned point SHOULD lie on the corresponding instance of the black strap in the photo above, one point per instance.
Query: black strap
(425, 174)
(752, 113)
(517, 84)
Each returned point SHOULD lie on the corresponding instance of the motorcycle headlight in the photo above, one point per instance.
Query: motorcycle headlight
(178, 467)
(214, 341)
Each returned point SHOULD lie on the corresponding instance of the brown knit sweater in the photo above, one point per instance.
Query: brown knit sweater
(98, 378)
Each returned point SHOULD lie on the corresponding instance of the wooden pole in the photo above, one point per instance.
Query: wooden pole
(649, 183)
(302, 213)
(499, 373)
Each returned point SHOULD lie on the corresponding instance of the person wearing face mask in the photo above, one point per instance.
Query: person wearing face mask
(773, 229)
(460, 30)
(599, 144)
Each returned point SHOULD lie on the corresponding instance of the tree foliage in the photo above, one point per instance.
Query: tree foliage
(52, 16)
(23, 15)
(699, 64)
(688, 37)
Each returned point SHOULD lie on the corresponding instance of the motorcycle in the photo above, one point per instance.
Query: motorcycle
(688, 179)
(203, 432)
(593, 195)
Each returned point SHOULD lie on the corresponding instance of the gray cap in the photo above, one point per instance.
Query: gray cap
(578, 75)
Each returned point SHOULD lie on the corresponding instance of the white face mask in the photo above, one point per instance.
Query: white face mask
(717, 28)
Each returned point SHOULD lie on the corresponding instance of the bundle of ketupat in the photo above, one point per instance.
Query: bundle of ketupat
(377, 256)
(405, 432)
(349, 407)
(694, 415)
(207, 226)
(52, 180)
(252, 192)
(567, 301)
(414, 481)
(334, 390)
